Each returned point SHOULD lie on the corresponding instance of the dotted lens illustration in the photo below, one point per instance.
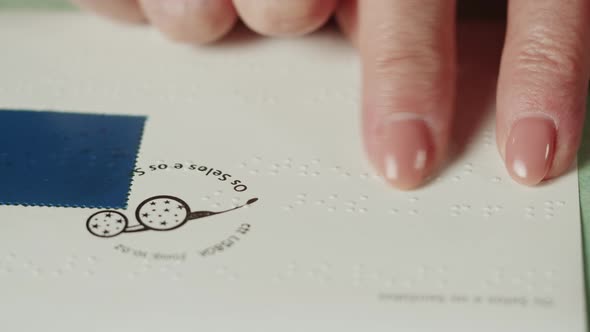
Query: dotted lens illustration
(163, 213)
(107, 223)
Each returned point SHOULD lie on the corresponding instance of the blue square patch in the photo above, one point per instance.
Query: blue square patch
(67, 159)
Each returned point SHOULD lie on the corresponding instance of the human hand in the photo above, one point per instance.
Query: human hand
(408, 54)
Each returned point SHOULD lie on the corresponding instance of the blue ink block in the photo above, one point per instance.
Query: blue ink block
(67, 159)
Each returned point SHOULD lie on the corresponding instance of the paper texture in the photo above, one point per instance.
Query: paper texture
(326, 245)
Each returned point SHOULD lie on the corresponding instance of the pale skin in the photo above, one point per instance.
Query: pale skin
(408, 55)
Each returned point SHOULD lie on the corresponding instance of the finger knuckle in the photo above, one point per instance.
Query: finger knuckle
(412, 61)
(401, 55)
(414, 71)
(550, 55)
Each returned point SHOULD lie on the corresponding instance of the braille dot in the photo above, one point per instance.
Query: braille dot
(315, 174)
(206, 198)
(301, 196)
(393, 211)
(560, 203)
(320, 202)
(363, 210)
(331, 209)
(333, 196)
(496, 179)
(413, 199)
(456, 178)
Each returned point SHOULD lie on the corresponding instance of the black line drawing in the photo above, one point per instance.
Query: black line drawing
(107, 223)
(158, 213)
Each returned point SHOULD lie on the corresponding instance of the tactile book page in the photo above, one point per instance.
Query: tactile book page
(252, 206)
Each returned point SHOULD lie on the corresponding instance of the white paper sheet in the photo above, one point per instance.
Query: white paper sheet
(327, 247)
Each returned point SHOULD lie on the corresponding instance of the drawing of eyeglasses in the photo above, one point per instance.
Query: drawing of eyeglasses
(158, 213)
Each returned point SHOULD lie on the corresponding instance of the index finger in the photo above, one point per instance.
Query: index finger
(408, 62)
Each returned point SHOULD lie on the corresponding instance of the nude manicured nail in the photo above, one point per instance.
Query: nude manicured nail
(405, 152)
(530, 149)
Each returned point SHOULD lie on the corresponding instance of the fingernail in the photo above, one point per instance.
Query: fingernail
(406, 152)
(530, 149)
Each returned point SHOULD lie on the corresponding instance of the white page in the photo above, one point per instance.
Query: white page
(330, 247)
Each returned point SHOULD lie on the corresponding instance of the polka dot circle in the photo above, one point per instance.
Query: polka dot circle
(162, 213)
(106, 223)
